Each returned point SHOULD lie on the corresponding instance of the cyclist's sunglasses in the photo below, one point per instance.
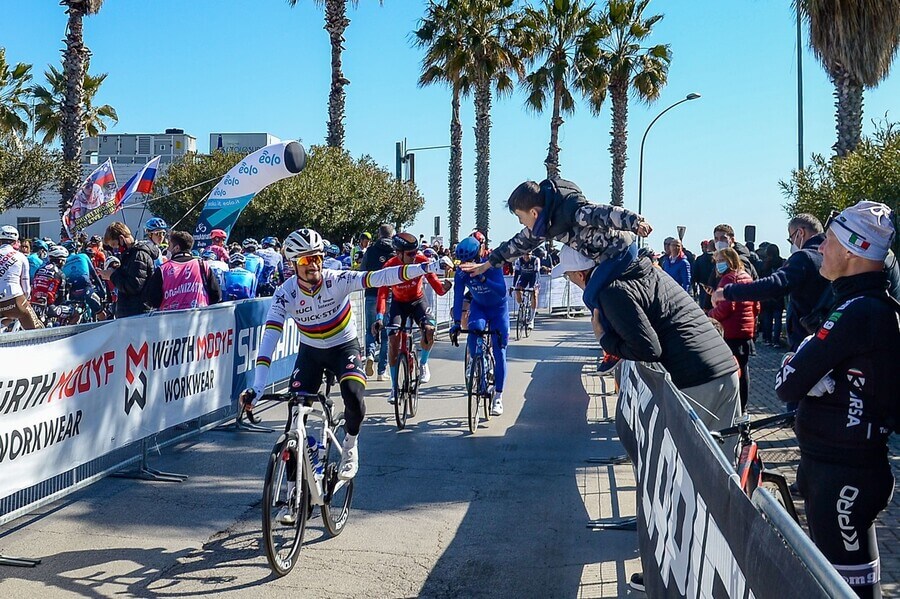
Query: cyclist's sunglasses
(306, 260)
(833, 220)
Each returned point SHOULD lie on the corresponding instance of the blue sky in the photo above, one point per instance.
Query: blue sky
(226, 65)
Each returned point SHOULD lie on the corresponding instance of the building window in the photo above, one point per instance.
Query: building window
(29, 227)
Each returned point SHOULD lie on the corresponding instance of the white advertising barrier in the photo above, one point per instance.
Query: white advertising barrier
(86, 395)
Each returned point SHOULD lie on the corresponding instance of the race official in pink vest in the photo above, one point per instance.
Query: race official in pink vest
(184, 281)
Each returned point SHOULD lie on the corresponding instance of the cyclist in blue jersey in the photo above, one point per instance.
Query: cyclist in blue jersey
(240, 283)
(83, 282)
(218, 267)
(156, 230)
(252, 262)
(272, 274)
(38, 256)
(487, 306)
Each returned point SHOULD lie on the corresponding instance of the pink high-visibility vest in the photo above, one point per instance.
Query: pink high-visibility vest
(183, 286)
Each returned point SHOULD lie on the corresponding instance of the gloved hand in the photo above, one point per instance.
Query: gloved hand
(432, 266)
(245, 405)
(454, 334)
(825, 386)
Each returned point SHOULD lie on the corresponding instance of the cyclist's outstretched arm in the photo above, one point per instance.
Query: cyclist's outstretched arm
(349, 281)
(272, 333)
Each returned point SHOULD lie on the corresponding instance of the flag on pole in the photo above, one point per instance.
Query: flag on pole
(141, 182)
(98, 189)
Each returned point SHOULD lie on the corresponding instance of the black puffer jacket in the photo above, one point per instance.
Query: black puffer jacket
(655, 320)
(137, 265)
(376, 255)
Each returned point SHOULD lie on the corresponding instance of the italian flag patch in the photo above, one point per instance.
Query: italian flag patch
(859, 241)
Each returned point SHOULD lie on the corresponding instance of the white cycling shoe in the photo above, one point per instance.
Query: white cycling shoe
(287, 516)
(349, 463)
(497, 406)
(426, 374)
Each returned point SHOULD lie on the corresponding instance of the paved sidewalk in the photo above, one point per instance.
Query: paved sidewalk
(780, 450)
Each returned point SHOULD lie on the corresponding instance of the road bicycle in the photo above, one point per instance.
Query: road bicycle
(406, 385)
(750, 469)
(290, 493)
(525, 313)
(480, 377)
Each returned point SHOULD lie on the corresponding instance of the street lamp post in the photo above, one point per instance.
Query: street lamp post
(643, 139)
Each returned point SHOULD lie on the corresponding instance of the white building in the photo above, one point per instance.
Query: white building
(128, 153)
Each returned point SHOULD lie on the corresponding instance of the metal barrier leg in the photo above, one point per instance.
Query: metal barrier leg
(18, 562)
(145, 472)
(613, 524)
(611, 461)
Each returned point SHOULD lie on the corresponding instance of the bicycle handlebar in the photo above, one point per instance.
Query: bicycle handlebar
(755, 425)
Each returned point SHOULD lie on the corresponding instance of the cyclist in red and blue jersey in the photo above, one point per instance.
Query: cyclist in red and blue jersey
(318, 300)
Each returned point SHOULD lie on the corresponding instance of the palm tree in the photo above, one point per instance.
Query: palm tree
(564, 40)
(490, 36)
(13, 91)
(627, 67)
(50, 102)
(75, 57)
(336, 23)
(445, 57)
(856, 41)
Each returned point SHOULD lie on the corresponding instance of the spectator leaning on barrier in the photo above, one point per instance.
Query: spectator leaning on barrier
(183, 281)
(676, 265)
(798, 278)
(376, 255)
(738, 318)
(137, 260)
(845, 378)
(643, 315)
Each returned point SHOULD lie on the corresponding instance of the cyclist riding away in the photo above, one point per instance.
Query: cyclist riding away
(15, 284)
(240, 283)
(252, 262)
(525, 273)
(319, 302)
(408, 303)
(488, 305)
(272, 274)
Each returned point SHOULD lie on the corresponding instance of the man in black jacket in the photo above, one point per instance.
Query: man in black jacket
(701, 271)
(378, 252)
(180, 244)
(723, 237)
(137, 264)
(798, 278)
(644, 315)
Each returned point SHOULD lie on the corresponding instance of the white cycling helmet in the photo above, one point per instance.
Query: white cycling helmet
(9, 233)
(112, 262)
(303, 242)
(58, 253)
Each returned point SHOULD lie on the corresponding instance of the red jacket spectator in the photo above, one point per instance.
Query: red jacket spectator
(737, 318)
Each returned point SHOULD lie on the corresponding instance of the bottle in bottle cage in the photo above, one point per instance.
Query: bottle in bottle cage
(314, 448)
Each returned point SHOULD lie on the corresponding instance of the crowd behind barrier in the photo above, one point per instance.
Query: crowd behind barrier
(698, 533)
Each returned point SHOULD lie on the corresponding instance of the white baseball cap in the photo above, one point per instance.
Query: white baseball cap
(571, 261)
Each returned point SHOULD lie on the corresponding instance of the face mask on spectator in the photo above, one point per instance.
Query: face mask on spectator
(722, 245)
(721, 267)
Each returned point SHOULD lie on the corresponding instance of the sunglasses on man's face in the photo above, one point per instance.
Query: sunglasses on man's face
(307, 260)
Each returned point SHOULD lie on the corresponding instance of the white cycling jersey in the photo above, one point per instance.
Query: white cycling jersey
(14, 273)
(323, 315)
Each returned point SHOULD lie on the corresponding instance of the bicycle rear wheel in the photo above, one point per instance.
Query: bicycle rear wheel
(283, 541)
(774, 483)
(415, 371)
(473, 386)
(401, 391)
(338, 493)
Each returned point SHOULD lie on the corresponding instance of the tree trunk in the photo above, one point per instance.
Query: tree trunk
(336, 23)
(483, 156)
(618, 147)
(74, 57)
(556, 121)
(848, 96)
(456, 134)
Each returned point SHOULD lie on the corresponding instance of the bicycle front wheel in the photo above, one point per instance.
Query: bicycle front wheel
(473, 385)
(284, 509)
(415, 372)
(520, 322)
(488, 385)
(401, 391)
(339, 493)
(528, 318)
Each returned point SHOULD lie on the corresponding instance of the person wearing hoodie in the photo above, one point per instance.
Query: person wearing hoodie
(377, 253)
(137, 265)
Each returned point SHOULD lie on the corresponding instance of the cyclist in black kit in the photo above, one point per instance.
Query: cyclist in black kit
(846, 378)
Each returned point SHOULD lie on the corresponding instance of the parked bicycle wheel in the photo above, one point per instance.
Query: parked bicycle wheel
(774, 483)
(338, 494)
(401, 391)
(283, 541)
(473, 387)
(415, 369)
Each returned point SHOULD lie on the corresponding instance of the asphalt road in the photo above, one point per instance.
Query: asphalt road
(437, 511)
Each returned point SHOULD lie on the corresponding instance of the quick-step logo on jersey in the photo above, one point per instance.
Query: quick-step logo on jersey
(844, 508)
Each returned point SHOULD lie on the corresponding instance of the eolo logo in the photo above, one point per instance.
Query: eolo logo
(135, 377)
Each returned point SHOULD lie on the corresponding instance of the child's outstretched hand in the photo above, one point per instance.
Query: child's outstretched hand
(475, 269)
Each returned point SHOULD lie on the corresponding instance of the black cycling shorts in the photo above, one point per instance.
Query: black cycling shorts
(418, 311)
(344, 361)
(842, 503)
(526, 281)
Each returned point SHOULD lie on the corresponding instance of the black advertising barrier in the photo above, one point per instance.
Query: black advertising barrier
(698, 534)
